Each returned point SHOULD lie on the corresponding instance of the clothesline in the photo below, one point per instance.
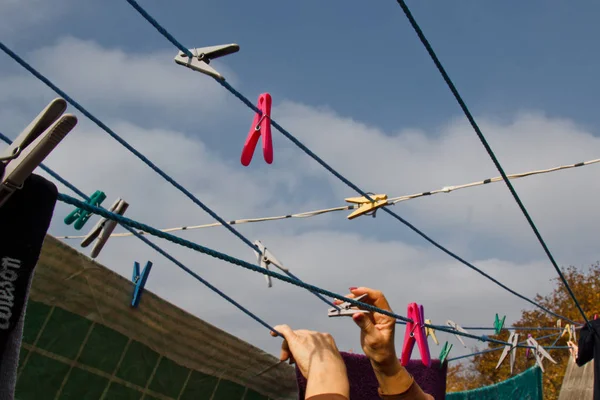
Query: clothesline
(393, 200)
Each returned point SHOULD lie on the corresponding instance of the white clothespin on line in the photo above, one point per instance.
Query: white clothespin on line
(513, 339)
(457, 328)
(32, 146)
(202, 57)
(103, 229)
(265, 259)
(539, 352)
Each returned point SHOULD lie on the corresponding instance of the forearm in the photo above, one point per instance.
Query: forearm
(327, 380)
(396, 383)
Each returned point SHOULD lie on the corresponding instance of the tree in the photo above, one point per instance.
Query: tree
(481, 371)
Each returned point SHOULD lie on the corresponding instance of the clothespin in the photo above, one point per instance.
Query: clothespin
(528, 349)
(79, 216)
(444, 353)
(573, 334)
(346, 309)
(559, 323)
(32, 146)
(139, 281)
(513, 339)
(499, 324)
(265, 259)
(457, 328)
(202, 57)
(366, 205)
(415, 332)
(261, 127)
(539, 352)
(104, 228)
(568, 331)
(431, 332)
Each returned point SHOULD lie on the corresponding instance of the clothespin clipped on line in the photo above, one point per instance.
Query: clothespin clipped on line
(539, 352)
(415, 332)
(528, 349)
(139, 280)
(431, 332)
(570, 329)
(265, 259)
(261, 128)
(346, 309)
(367, 206)
(444, 353)
(499, 324)
(32, 146)
(513, 339)
(104, 228)
(559, 323)
(202, 57)
(79, 216)
(457, 328)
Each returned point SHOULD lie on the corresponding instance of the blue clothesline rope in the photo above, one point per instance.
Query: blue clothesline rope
(500, 348)
(230, 259)
(294, 140)
(139, 155)
(489, 150)
(158, 249)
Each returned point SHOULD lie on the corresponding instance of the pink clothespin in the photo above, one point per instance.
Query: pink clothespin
(415, 331)
(528, 349)
(261, 126)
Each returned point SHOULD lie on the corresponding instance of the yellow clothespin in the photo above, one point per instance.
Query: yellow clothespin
(567, 330)
(430, 332)
(366, 205)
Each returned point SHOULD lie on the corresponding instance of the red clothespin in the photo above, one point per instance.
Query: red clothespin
(415, 331)
(261, 126)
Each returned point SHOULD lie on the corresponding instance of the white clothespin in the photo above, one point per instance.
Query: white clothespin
(513, 339)
(457, 328)
(32, 146)
(104, 228)
(265, 259)
(346, 309)
(202, 57)
(539, 352)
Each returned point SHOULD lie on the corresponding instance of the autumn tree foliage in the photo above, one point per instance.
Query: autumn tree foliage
(481, 370)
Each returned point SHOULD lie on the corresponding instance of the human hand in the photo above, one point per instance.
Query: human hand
(376, 330)
(317, 358)
(573, 349)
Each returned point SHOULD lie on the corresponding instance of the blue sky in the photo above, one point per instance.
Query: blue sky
(353, 82)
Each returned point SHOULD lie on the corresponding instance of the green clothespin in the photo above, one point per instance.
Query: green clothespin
(80, 216)
(499, 324)
(444, 353)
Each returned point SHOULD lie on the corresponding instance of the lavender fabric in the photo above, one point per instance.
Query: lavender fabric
(363, 384)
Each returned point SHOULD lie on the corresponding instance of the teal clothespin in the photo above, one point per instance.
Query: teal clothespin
(79, 216)
(140, 281)
(499, 324)
(444, 353)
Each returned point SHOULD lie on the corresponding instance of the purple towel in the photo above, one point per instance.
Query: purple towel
(363, 384)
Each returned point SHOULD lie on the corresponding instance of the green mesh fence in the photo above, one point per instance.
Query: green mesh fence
(525, 386)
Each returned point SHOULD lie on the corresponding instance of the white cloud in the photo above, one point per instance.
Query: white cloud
(370, 252)
(116, 82)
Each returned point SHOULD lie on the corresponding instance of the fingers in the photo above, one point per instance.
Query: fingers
(364, 322)
(374, 297)
(285, 330)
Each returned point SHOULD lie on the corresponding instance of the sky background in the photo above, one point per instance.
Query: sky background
(352, 82)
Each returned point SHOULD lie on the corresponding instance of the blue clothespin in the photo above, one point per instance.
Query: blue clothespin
(79, 216)
(140, 281)
(499, 324)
